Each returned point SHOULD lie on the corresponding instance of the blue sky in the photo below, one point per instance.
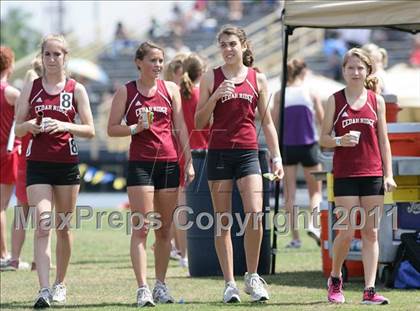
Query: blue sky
(90, 19)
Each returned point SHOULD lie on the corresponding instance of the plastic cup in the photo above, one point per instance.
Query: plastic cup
(356, 135)
(231, 84)
(44, 123)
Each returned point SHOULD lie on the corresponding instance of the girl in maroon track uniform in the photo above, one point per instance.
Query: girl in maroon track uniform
(361, 165)
(153, 170)
(193, 67)
(52, 159)
(230, 95)
(8, 160)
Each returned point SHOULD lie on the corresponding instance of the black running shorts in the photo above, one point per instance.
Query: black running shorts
(161, 175)
(232, 163)
(51, 173)
(307, 155)
(358, 186)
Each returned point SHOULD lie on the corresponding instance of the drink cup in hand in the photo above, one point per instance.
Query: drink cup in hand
(44, 123)
(356, 135)
(231, 85)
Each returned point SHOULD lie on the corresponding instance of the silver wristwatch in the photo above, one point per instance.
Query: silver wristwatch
(337, 141)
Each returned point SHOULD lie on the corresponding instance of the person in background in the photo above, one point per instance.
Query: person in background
(52, 159)
(9, 158)
(379, 57)
(193, 68)
(122, 43)
(362, 168)
(302, 109)
(174, 72)
(415, 53)
(230, 95)
(334, 49)
(355, 37)
(18, 232)
(153, 170)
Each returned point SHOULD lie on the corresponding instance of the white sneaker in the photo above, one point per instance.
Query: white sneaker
(144, 297)
(183, 262)
(13, 265)
(231, 293)
(161, 293)
(315, 233)
(59, 293)
(254, 286)
(23, 265)
(174, 254)
(4, 260)
(294, 244)
(43, 300)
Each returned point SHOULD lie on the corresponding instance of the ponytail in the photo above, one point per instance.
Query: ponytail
(372, 83)
(193, 68)
(186, 86)
(295, 67)
(248, 57)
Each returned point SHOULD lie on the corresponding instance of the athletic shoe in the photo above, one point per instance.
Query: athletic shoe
(370, 297)
(13, 265)
(294, 244)
(4, 260)
(183, 262)
(315, 234)
(23, 265)
(335, 290)
(254, 286)
(43, 300)
(174, 254)
(231, 293)
(59, 292)
(161, 293)
(144, 297)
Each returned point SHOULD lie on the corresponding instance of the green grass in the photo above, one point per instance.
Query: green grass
(100, 278)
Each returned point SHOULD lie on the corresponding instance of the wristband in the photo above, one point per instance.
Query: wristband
(276, 160)
(337, 141)
(65, 128)
(133, 130)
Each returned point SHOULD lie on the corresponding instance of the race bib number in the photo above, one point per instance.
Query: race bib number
(73, 147)
(65, 100)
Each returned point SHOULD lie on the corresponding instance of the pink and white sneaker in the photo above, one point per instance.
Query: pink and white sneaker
(370, 297)
(335, 290)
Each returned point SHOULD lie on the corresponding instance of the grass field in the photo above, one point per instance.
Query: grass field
(100, 278)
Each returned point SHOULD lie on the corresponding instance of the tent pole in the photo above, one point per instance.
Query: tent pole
(287, 31)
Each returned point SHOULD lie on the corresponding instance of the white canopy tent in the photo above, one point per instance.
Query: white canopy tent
(403, 15)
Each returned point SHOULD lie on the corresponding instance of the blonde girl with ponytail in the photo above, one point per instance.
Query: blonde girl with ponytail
(362, 167)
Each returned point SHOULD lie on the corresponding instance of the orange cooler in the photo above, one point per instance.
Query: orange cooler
(392, 108)
(404, 139)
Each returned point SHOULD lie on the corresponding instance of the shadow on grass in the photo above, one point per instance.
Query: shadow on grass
(309, 279)
(94, 261)
(256, 304)
(29, 305)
